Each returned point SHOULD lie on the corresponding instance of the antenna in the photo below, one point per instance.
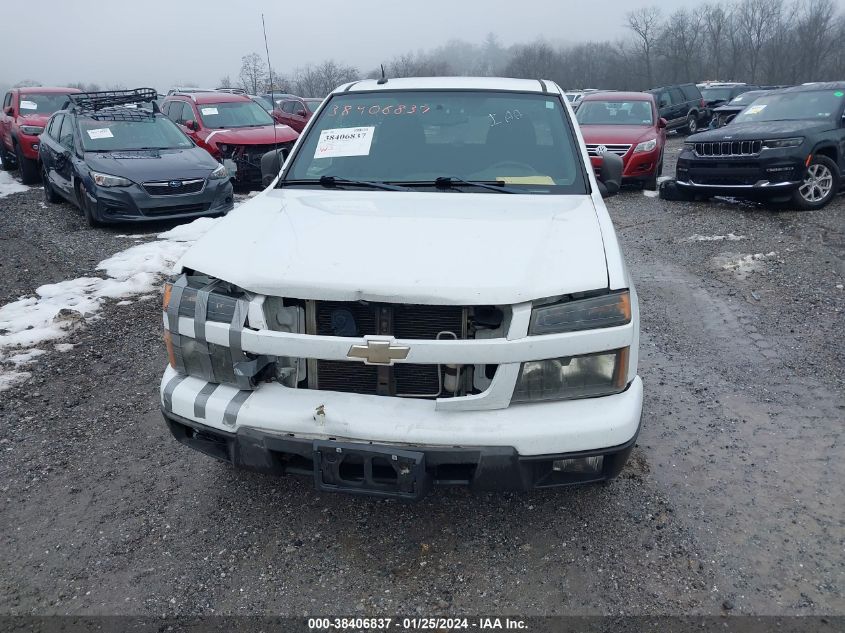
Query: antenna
(383, 79)
(272, 96)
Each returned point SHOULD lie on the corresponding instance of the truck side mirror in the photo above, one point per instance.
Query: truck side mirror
(610, 174)
(271, 165)
(662, 123)
(192, 125)
(9, 110)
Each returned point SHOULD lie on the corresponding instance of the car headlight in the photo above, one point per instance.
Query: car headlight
(779, 143)
(32, 130)
(105, 180)
(220, 173)
(569, 378)
(604, 311)
(646, 146)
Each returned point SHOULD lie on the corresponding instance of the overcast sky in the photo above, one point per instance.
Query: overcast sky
(160, 43)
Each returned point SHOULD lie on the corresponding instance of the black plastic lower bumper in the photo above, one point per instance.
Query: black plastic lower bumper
(389, 471)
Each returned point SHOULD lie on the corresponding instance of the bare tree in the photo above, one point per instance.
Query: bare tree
(26, 83)
(253, 73)
(321, 79)
(716, 21)
(682, 36)
(225, 82)
(533, 61)
(758, 20)
(815, 28)
(646, 25)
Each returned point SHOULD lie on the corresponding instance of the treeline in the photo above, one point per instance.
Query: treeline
(769, 42)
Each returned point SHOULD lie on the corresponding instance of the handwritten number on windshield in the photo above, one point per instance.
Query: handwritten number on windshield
(509, 117)
(377, 109)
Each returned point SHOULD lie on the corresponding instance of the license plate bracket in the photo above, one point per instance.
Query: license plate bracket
(370, 470)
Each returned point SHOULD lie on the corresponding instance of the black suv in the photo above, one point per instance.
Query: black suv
(788, 145)
(682, 106)
(119, 162)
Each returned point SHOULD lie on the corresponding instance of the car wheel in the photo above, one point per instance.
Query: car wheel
(50, 194)
(87, 209)
(821, 183)
(9, 162)
(27, 167)
(692, 123)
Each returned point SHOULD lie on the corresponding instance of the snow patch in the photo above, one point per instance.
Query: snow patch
(57, 309)
(743, 265)
(25, 358)
(8, 185)
(63, 347)
(730, 237)
(648, 193)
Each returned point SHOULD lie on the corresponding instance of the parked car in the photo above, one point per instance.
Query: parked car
(431, 294)
(232, 128)
(626, 124)
(716, 94)
(682, 106)
(297, 112)
(268, 107)
(120, 164)
(787, 145)
(574, 97)
(724, 114)
(23, 116)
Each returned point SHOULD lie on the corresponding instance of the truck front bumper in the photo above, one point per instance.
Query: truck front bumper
(280, 430)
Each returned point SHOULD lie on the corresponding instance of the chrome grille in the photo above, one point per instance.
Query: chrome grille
(174, 187)
(728, 148)
(618, 149)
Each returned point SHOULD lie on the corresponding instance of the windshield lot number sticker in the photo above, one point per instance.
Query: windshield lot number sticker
(209, 110)
(100, 132)
(29, 105)
(352, 141)
(757, 109)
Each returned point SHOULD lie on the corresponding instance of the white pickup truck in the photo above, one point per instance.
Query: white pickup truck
(430, 292)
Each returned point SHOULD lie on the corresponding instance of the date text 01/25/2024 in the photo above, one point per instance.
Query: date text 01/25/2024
(416, 624)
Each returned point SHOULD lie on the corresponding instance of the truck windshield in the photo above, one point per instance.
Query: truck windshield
(716, 94)
(42, 103)
(233, 114)
(153, 132)
(792, 106)
(412, 138)
(615, 113)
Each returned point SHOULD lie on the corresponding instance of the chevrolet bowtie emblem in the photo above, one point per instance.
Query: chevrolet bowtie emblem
(379, 352)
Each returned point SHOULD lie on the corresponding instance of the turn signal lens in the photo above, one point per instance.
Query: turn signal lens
(168, 288)
(171, 354)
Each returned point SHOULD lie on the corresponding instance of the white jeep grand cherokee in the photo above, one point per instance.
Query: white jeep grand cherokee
(430, 292)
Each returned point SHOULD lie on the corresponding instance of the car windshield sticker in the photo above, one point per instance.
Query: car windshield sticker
(29, 105)
(526, 180)
(352, 141)
(130, 105)
(550, 105)
(756, 109)
(100, 132)
(209, 110)
(839, 93)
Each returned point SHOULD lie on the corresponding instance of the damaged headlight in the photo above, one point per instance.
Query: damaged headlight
(106, 180)
(586, 376)
(32, 130)
(203, 299)
(604, 311)
(220, 173)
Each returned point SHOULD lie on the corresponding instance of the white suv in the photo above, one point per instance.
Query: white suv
(430, 292)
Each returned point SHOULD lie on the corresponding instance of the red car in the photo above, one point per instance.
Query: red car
(627, 124)
(232, 128)
(24, 114)
(297, 112)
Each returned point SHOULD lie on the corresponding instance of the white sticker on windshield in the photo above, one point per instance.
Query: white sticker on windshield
(131, 105)
(100, 132)
(756, 109)
(209, 110)
(349, 141)
(29, 105)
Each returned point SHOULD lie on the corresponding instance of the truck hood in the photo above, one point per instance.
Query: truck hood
(613, 134)
(253, 135)
(147, 165)
(426, 248)
(761, 130)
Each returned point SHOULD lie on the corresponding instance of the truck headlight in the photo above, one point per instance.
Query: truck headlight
(646, 146)
(780, 143)
(106, 180)
(32, 130)
(589, 376)
(201, 359)
(604, 311)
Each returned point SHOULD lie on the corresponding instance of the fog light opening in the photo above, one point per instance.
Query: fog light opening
(582, 465)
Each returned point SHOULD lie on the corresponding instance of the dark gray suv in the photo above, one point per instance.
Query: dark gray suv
(119, 162)
(682, 106)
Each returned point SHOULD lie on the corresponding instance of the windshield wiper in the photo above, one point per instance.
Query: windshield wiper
(448, 182)
(331, 182)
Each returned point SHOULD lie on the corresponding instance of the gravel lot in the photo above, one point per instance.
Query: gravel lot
(732, 502)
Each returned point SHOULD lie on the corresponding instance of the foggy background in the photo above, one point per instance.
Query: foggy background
(579, 43)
